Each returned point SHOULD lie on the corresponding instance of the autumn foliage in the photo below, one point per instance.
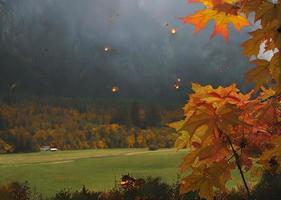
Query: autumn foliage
(25, 127)
(226, 129)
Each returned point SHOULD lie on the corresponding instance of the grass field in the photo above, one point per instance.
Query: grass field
(50, 172)
(97, 169)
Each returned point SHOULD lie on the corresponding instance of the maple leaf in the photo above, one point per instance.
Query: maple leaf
(230, 94)
(219, 121)
(267, 12)
(267, 35)
(266, 93)
(223, 4)
(222, 12)
(250, 6)
(215, 152)
(271, 159)
(183, 140)
(265, 72)
(206, 179)
(209, 110)
(260, 75)
(275, 67)
(267, 113)
(252, 46)
(214, 98)
(176, 125)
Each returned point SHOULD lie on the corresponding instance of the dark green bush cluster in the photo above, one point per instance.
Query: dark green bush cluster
(153, 189)
(15, 191)
(18, 191)
(269, 188)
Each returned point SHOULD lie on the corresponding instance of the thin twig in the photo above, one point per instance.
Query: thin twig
(271, 97)
(237, 160)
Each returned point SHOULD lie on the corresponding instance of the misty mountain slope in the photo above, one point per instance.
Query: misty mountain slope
(57, 48)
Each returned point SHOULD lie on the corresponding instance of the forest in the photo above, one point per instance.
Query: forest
(27, 126)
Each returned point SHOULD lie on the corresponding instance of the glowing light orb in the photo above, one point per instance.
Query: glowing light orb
(179, 79)
(177, 86)
(173, 31)
(115, 89)
(107, 49)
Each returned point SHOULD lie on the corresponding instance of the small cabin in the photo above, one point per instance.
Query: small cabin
(53, 149)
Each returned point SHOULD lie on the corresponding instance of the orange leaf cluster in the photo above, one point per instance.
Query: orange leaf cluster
(267, 72)
(222, 12)
(217, 120)
(223, 127)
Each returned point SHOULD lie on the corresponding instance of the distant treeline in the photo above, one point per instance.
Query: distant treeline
(27, 126)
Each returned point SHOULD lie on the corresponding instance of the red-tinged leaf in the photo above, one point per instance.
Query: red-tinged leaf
(222, 12)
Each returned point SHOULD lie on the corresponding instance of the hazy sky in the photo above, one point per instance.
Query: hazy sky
(144, 54)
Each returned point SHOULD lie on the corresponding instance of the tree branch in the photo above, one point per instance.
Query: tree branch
(237, 160)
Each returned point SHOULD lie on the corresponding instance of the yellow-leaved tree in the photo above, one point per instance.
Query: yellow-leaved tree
(225, 129)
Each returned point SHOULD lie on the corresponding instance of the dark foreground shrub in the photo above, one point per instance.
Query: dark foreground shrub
(15, 191)
(18, 191)
(151, 189)
(153, 147)
(269, 187)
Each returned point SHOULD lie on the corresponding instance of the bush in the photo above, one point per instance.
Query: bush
(269, 187)
(63, 195)
(15, 191)
(151, 189)
(153, 147)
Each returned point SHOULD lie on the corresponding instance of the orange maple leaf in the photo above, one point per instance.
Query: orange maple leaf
(222, 12)
(206, 179)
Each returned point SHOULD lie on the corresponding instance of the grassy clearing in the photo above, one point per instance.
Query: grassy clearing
(97, 169)
(50, 172)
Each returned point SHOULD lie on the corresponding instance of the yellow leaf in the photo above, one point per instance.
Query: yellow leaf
(176, 125)
(206, 179)
(266, 93)
(182, 141)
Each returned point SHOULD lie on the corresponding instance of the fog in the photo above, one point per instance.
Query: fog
(56, 47)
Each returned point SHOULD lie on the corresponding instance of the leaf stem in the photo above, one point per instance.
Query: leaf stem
(237, 160)
(271, 97)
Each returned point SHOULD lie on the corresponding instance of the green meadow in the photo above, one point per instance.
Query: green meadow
(49, 172)
(100, 170)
